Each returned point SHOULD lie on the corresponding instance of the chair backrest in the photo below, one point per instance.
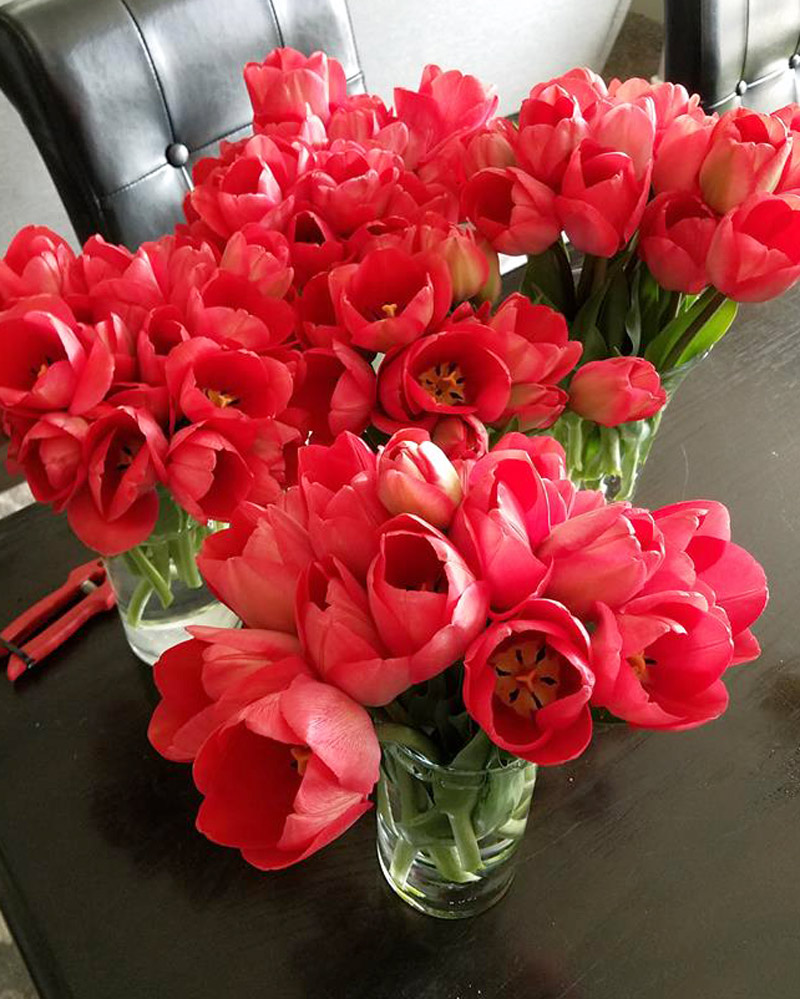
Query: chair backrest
(122, 96)
(734, 52)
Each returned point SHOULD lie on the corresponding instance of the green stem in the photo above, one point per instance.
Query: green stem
(446, 860)
(466, 843)
(146, 569)
(712, 300)
(141, 595)
(404, 735)
(184, 554)
(403, 857)
(586, 280)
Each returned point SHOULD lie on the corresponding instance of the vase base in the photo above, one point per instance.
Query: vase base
(149, 641)
(424, 889)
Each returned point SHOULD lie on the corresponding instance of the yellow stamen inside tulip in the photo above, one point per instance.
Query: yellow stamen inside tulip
(640, 665)
(42, 369)
(529, 674)
(444, 383)
(301, 754)
(389, 310)
(219, 398)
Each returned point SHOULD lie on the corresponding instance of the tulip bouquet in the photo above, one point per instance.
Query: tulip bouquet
(471, 617)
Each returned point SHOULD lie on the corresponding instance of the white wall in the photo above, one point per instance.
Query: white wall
(511, 43)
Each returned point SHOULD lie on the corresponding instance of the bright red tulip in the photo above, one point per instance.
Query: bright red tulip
(659, 659)
(605, 554)
(288, 774)
(206, 473)
(51, 456)
(161, 332)
(288, 85)
(254, 565)
(37, 262)
(603, 194)
(550, 127)
(616, 390)
(210, 678)
(460, 437)
(674, 238)
(513, 210)
(680, 154)
(44, 365)
(755, 252)
(415, 476)
(746, 155)
(790, 178)
(391, 297)
(313, 245)
(117, 507)
(582, 84)
(454, 372)
(528, 682)
(335, 392)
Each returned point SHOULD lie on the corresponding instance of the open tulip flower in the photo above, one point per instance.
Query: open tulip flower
(405, 590)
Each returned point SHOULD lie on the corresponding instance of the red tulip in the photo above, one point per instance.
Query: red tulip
(206, 473)
(37, 262)
(534, 343)
(492, 146)
(206, 381)
(351, 185)
(117, 507)
(365, 119)
(448, 105)
(44, 366)
(674, 238)
(746, 155)
(701, 530)
(468, 262)
(210, 678)
(453, 372)
(460, 437)
(254, 565)
(790, 178)
(550, 127)
(504, 516)
(680, 154)
(603, 194)
(391, 297)
(261, 257)
(528, 682)
(313, 245)
(616, 390)
(415, 476)
(51, 456)
(605, 554)
(583, 84)
(288, 774)
(336, 392)
(161, 332)
(669, 100)
(319, 322)
(338, 486)
(289, 86)
(755, 252)
(659, 659)
(513, 210)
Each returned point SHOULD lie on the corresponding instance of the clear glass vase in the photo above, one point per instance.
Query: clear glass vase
(159, 589)
(447, 836)
(611, 459)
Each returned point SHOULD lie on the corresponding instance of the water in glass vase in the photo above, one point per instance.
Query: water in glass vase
(159, 589)
(447, 836)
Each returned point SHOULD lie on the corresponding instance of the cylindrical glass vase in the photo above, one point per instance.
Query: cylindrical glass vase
(159, 589)
(447, 836)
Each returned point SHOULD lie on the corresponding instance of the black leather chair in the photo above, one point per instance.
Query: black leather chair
(122, 96)
(735, 52)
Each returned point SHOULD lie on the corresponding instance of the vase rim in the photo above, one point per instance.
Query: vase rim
(418, 757)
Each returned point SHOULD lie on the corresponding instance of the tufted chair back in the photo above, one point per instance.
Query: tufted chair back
(735, 52)
(123, 96)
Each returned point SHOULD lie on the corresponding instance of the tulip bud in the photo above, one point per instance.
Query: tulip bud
(674, 237)
(415, 476)
(461, 437)
(617, 390)
(747, 154)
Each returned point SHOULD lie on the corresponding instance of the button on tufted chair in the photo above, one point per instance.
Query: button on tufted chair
(122, 96)
(735, 52)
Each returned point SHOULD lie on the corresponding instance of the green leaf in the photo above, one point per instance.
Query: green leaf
(548, 278)
(712, 331)
(594, 346)
(633, 317)
(663, 345)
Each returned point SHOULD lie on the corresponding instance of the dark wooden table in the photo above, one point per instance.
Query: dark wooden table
(656, 866)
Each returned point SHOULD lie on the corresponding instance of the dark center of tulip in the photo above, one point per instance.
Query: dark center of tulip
(389, 310)
(640, 664)
(42, 369)
(444, 383)
(219, 398)
(301, 755)
(529, 674)
(125, 457)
